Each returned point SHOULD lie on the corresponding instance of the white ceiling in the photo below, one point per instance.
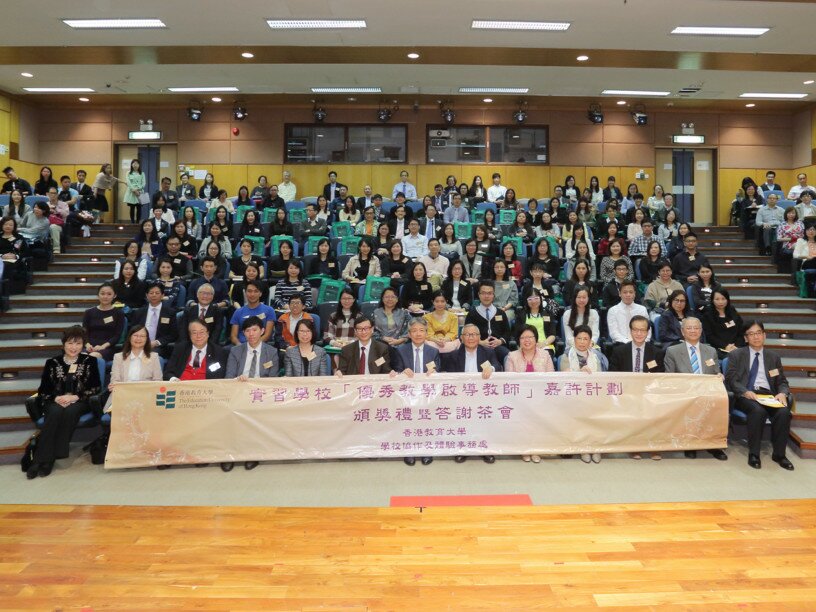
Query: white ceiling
(596, 24)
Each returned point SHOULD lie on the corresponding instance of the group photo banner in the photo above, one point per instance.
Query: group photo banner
(428, 415)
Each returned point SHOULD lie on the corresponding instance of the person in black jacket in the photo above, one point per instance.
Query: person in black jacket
(612, 190)
(494, 328)
(130, 291)
(205, 311)
(159, 319)
(722, 324)
(625, 356)
(196, 358)
(331, 190)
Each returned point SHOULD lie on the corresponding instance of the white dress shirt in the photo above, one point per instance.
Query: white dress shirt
(367, 348)
(153, 314)
(761, 381)
(408, 190)
(414, 246)
(618, 317)
(417, 355)
(287, 191)
(496, 192)
(471, 361)
(134, 369)
(797, 189)
(435, 267)
(248, 362)
(699, 356)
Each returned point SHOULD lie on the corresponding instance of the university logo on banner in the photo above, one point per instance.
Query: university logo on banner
(165, 399)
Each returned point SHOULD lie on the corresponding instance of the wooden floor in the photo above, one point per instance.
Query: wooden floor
(707, 556)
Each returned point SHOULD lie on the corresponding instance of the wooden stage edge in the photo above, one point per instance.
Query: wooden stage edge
(744, 555)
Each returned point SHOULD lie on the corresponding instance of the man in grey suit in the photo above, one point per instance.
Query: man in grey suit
(693, 357)
(252, 359)
(752, 371)
(417, 357)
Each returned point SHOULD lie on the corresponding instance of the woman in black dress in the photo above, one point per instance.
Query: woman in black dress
(103, 324)
(129, 290)
(67, 382)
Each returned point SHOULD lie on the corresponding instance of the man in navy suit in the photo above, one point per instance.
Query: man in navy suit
(417, 357)
(471, 356)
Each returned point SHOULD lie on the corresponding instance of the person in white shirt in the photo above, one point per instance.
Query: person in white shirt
(414, 245)
(618, 317)
(456, 213)
(404, 187)
(495, 193)
(797, 189)
(286, 188)
(435, 265)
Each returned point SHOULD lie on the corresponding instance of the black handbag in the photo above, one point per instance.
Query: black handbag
(98, 449)
(28, 454)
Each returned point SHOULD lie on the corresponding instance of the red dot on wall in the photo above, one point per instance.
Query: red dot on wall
(235, 131)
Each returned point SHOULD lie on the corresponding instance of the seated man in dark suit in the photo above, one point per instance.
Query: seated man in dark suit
(693, 357)
(753, 370)
(171, 197)
(312, 226)
(417, 357)
(159, 319)
(433, 219)
(196, 358)
(491, 321)
(365, 355)
(637, 355)
(473, 357)
(332, 189)
(205, 311)
(252, 359)
(686, 264)
(398, 226)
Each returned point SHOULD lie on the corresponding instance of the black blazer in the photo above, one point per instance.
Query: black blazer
(85, 194)
(213, 319)
(465, 292)
(615, 192)
(392, 228)
(327, 190)
(178, 361)
(167, 329)
(455, 360)
(438, 224)
(188, 191)
(349, 360)
(621, 360)
(630, 214)
(739, 368)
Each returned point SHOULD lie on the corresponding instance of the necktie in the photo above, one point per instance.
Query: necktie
(197, 360)
(154, 319)
(202, 313)
(752, 374)
(637, 361)
(417, 365)
(695, 363)
(362, 360)
(253, 365)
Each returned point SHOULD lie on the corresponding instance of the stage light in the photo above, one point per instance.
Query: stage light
(383, 115)
(595, 114)
(640, 118)
(239, 113)
(319, 114)
(194, 113)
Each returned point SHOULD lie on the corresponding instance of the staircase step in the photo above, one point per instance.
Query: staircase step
(52, 276)
(51, 301)
(29, 346)
(97, 247)
(804, 437)
(758, 277)
(51, 329)
(791, 299)
(50, 288)
(796, 364)
(14, 442)
(806, 410)
(31, 317)
(797, 330)
(20, 387)
(13, 413)
(755, 288)
(30, 364)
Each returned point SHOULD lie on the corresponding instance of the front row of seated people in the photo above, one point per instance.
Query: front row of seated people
(70, 379)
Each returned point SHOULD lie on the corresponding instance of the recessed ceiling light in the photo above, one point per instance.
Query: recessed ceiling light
(487, 100)
(633, 92)
(352, 99)
(718, 31)
(774, 96)
(315, 24)
(216, 99)
(582, 58)
(247, 55)
(494, 90)
(808, 82)
(413, 56)
(114, 23)
(58, 89)
(548, 26)
(338, 90)
(751, 105)
(28, 75)
(201, 89)
(621, 102)
(84, 100)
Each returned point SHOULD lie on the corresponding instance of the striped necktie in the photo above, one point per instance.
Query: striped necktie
(695, 362)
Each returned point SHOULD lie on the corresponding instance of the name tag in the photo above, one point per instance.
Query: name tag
(300, 288)
(164, 320)
(477, 261)
(176, 261)
(107, 320)
(379, 361)
(545, 319)
(208, 320)
(331, 264)
(709, 362)
(773, 372)
(214, 367)
(463, 283)
(310, 356)
(423, 287)
(651, 364)
(486, 365)
(72, 368)
(545, 293)
(267, 365)
(729, 324)
(498, 317)
(261, 315)
(692, 258)
(185, 243)
(430, 367)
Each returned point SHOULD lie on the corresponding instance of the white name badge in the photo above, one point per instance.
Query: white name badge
(107, 320)
(499, 317)
(379, 361)
(176, 261)
(214, 367)
(709, 362)
(208, 320)
(72, 368)
(300, 288)
(486, 365)
(186, 243)
(423, 287)
(261, 315)
(267, 365)
(651, 364)
(310, 356)
(331, 264)
(463, 283)
(164, 320)
(773, 372)
(729, 324)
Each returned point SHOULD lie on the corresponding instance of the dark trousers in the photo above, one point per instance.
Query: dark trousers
(135, 209)
(57, 430)
(780, 425)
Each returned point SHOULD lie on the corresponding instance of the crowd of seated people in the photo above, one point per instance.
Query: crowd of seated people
(575, 293)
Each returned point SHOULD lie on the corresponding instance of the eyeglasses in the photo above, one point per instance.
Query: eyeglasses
(754, 333)
(364, 329)
(470, 334)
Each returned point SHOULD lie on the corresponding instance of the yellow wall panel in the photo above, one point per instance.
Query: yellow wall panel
(429, 175)
(558, 175)
(271, 171)
(645, 186)
(528, 181)
(729, 180)
(229, 177)
(355, 177)
(384, 177)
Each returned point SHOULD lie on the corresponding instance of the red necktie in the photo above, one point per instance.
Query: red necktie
(362, 360)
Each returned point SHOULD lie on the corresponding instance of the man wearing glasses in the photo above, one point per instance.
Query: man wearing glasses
(365, 355)
(756, 377)
(693, 357)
